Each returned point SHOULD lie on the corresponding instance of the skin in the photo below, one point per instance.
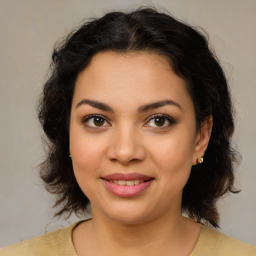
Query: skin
(131, 141)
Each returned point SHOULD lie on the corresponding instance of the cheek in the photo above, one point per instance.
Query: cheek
(87, 153)
(174, 161)
(86, 163)
(82, 144)
(174, 151)
(173, 157)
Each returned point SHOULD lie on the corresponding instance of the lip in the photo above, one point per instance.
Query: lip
(127, 191)
(127, 176)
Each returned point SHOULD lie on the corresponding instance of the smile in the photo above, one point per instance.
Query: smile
(127, 184)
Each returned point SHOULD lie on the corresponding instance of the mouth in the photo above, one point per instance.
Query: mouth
(126, 182)
(127, 177)
(127, 185)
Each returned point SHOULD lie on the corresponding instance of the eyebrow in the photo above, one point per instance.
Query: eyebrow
(158, 104)
(95, 104)
(142, 109)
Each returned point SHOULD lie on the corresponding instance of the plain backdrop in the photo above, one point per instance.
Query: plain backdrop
(28, 31)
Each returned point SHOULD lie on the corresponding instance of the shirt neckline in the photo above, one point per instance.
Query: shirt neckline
(71, 249)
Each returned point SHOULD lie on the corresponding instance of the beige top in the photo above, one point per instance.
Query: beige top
(59, 243)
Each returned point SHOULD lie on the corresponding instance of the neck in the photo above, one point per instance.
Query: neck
(137, 235)
(154, 237)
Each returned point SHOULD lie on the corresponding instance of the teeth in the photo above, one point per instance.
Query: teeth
(122, 182)
(126, 182)
(130, 183)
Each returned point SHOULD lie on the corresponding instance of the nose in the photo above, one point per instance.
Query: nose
(126, 146)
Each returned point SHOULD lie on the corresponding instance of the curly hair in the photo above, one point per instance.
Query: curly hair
(190, 57)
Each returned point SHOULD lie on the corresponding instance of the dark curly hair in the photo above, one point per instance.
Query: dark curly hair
(190, 57)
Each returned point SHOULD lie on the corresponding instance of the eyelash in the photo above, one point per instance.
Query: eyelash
(170, 120)
(87, 118)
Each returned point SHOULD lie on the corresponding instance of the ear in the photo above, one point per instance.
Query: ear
(202, 139)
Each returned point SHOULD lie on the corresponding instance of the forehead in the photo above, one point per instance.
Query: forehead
(136, 76)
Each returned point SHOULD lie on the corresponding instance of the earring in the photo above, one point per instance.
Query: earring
(200, 160)
(70, 156)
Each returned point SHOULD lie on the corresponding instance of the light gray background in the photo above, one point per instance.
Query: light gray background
(28, 31)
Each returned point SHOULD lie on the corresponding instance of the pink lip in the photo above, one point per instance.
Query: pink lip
(127, 176)
(127, 191)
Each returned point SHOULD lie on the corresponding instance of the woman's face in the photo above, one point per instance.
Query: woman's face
(133, 137)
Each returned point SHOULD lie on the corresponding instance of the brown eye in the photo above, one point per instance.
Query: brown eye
(96, 121)
(159, 121)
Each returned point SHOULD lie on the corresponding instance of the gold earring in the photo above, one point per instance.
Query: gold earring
(200, 160)
(70, 156)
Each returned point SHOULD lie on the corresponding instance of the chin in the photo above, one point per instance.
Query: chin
(129, 219)
(129, 214)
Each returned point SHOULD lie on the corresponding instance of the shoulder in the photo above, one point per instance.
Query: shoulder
(213, 242)
(55, 243)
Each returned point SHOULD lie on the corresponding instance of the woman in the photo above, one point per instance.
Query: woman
(139, 119)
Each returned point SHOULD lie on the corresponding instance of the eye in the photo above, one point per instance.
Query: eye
(160, 121)
(95, 121)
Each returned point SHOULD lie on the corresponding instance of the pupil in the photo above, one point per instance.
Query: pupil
(159, 121)
(98, 121)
